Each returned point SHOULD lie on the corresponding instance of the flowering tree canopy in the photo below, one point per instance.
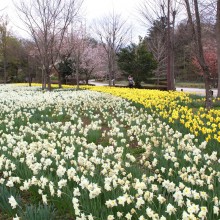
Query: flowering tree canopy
(210, 55)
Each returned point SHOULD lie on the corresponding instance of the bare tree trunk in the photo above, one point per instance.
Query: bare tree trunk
(5, 69)
(172, 84)
(218, 43)
(158, 79)
(43, 77)
(172, 53)
(29, 72)
(113, 68)
(110, 70)
(202, 59)
(59, 80)
(29, 79)
(77, 76)
(110, 78)
(197, 37)
(77, 68)
(59, 77)
(48, 80)
(87, 80)
(168, 48)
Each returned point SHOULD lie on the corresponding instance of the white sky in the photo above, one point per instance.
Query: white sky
(93, 9)
(127, 8)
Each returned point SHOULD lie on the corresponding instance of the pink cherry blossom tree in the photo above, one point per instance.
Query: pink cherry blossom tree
(94, 62)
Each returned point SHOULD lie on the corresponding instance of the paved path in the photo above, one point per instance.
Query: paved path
(197, 91)
(191, 90)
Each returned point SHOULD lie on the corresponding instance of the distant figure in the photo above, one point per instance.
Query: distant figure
(113, 82)
(130, 81)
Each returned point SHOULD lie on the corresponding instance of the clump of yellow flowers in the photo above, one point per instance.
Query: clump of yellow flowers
(172, 106)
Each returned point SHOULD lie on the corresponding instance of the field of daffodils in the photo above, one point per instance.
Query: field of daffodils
(103, 153)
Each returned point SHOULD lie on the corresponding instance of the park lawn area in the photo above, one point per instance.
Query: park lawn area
(199, 85)
(107, 154)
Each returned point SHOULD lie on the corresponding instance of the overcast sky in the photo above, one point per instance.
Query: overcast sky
(127, 8)
(93, 9)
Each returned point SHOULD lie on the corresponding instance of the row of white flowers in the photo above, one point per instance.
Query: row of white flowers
(75, 147)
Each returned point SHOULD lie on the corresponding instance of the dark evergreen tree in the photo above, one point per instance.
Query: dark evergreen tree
(65, 68)
(137, 61)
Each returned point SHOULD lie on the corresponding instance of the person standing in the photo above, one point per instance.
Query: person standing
(130, 81)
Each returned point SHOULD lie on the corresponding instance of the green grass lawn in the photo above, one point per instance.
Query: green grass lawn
(199, 85)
